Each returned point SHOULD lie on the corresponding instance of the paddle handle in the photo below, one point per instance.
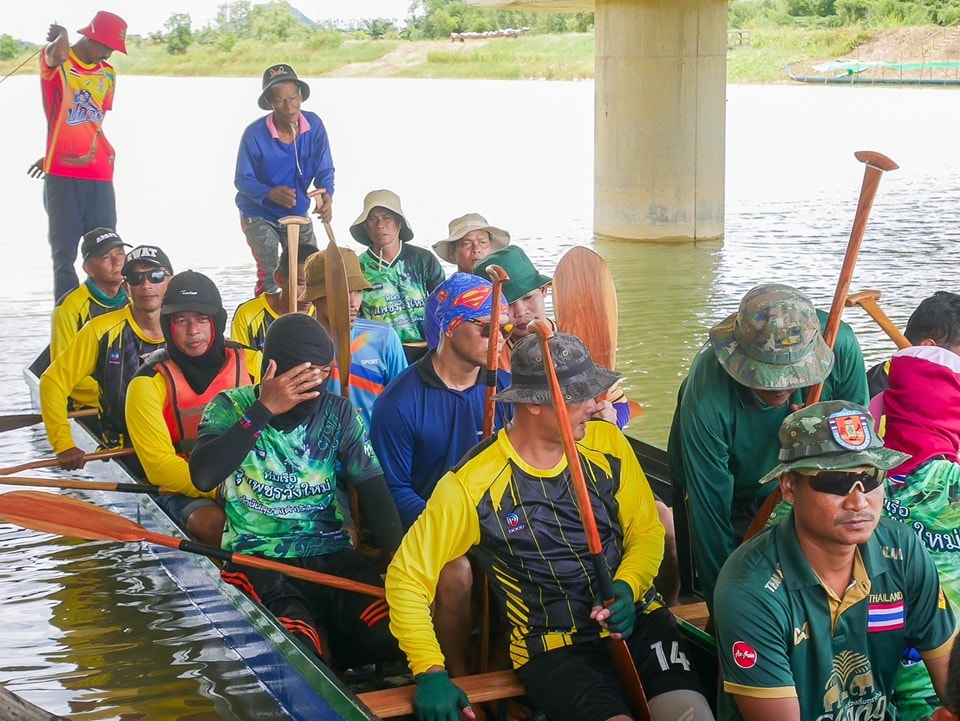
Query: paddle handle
(53, 462)
(293, 223)
(626, 668)
(868, 301)
(498, 276)
(78, 484)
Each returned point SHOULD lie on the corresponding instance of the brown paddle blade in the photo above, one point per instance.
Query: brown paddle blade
(53, 462)
(338, 308)
(585, 303)
(22, 420)
(65, 516)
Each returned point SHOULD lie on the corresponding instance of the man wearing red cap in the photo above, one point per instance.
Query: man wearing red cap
(77, 84)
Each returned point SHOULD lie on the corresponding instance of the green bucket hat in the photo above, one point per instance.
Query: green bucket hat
(832, 436)
(524, 277)
(773, 342)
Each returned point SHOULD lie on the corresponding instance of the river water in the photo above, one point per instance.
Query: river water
(520, 153)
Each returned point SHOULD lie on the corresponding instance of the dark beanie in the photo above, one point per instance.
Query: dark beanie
(296, 338)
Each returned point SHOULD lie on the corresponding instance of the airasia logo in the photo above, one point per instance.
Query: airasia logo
(744, 655)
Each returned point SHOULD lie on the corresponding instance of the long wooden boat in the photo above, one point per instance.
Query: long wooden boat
(305, 687)
(857, 79)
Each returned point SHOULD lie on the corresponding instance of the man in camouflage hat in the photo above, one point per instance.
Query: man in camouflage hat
(751, 373)
(834, 591)
(511, 501)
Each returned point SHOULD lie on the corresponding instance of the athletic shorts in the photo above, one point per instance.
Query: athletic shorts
(580, 682)
(179, 507)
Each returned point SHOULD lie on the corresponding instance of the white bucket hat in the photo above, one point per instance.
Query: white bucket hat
(380, 199)
(459, 227)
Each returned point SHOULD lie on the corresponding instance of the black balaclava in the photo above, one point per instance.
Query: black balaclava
(293, 339)
(190, 291)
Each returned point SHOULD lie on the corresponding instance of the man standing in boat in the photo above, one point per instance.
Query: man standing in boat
(813, 614)
(744, 381)
(401, 275)
(276, 450)
(101, 292)
(252, 317)
(109, 349)
(173, 386)
(78, 84)
(280, 156)
(428, 418)
(510, 501)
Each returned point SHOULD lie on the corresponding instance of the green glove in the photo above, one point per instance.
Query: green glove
(437, 698)
(622, 611)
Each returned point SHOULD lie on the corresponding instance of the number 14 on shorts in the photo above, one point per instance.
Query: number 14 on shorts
(677, 657)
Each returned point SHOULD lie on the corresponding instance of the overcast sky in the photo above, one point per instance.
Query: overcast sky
(29, 19)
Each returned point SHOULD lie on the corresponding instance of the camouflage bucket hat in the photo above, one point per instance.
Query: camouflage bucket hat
(832, 436)
(579, 377)
(773, 342)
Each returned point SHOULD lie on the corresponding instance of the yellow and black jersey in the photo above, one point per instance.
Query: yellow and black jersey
(523, 525)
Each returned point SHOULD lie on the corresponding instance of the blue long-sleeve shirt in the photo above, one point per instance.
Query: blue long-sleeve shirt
(264, 163)
(421, 429)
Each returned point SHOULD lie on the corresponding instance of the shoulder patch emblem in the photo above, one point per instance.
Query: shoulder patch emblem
(744, 655)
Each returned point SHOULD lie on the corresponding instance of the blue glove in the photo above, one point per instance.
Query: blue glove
(437, 698)
(622, 612)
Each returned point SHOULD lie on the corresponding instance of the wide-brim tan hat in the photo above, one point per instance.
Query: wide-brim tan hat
(314, 273)
(459, 227)
(380, 199)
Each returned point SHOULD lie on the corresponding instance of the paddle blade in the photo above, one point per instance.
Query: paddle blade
(64, 516)
(585, 303)
(338, 308)
(9, 423)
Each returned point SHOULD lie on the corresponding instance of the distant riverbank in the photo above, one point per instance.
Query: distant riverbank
(754, 56)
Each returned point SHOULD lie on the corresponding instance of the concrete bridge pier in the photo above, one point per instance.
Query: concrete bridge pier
(660, 119)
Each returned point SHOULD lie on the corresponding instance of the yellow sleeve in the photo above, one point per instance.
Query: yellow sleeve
(239, 326)
(254, 361)
(643, 533)
(63, 329)
(447, 529)
(146, 396)
(77, 361)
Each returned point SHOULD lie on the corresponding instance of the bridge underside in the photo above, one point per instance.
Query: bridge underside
(660, 116)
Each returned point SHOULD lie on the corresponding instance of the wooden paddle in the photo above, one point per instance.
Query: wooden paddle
(76, 483)
(498, 276)
(64, 516)
(54, 463)
(582, 274)
(22, 420)
(626, 669)
(293, 223)
(876, 165)
(867, 299)
(338, 305)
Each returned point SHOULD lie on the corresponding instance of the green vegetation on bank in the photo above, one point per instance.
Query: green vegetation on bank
(245, 38)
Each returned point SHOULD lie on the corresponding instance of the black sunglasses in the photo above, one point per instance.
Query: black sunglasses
(505, 330)
(154, 276)
(842, 483)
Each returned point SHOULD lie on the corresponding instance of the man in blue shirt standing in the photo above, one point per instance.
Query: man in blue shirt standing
(280, 156)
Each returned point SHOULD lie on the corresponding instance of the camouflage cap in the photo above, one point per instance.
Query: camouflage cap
(832, 435)
(773, 342)
(579, 377)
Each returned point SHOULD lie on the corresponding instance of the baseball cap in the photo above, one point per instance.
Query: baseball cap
(147, 254)
(100, 241)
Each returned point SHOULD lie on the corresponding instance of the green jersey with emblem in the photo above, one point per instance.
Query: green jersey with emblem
(840, 663)
(400, 289)
(280, 502)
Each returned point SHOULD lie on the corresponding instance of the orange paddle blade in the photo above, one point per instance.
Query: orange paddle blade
(65, 516)
(585, 303)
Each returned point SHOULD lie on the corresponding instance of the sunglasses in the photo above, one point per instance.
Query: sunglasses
(842, 483)
(155, 276)
(484, 325)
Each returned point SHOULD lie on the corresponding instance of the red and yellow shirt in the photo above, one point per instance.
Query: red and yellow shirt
(76, 96)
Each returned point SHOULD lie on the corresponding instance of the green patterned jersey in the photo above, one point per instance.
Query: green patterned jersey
(400, 289)
(280, 501)
(839, 663)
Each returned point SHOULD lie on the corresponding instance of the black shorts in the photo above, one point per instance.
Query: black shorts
(580, 682)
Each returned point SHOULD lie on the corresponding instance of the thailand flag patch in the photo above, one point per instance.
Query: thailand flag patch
(885, 616)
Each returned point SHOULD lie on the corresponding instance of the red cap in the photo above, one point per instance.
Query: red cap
(107, 29)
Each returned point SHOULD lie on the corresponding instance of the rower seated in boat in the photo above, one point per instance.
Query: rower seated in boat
(273, 450)
(168, 394)
(109, 348)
